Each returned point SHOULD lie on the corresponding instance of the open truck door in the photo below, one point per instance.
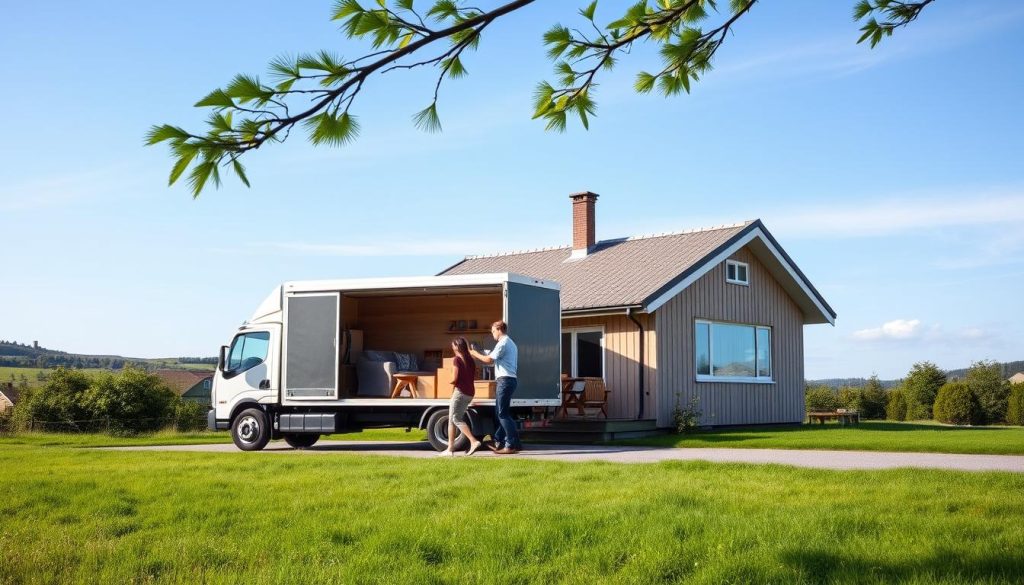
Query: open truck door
(534, 318)
(311, 346)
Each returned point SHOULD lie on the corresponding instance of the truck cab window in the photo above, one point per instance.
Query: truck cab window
(248, 350)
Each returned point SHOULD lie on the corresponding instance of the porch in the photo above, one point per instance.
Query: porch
(589, 430)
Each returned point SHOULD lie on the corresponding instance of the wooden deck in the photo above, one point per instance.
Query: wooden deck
(590, 430)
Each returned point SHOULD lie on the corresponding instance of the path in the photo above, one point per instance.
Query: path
(615, 454)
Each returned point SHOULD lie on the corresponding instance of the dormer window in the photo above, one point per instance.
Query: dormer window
(737, 272)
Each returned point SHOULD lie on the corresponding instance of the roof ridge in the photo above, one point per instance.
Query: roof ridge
(611, 240)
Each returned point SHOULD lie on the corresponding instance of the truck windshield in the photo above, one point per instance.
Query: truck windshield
(248, 350)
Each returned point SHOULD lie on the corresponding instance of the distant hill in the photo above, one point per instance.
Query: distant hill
(1009, 369)
(23, 355)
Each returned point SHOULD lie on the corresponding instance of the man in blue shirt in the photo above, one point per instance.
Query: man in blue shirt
(505, 357)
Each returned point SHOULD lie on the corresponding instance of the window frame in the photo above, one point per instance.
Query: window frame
(573, 358)
(231, 373)
(736, 264)
(711, 377)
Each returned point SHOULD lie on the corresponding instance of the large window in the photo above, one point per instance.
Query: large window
(583, 352)
(730, 352)
(247, 351)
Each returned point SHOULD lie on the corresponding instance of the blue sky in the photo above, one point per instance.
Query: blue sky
(893, 176)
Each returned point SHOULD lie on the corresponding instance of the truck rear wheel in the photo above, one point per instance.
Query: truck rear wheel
(301, 440)
(250, 430)
(437, 433)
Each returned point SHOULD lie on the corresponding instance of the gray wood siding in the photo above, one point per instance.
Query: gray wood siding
(621, 355)
(763, 302)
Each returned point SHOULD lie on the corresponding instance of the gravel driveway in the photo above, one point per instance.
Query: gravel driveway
(614, 454)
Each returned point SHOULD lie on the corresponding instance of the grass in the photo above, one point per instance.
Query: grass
(32, 374)
(867, 436)
(171, 437)
(74, 515)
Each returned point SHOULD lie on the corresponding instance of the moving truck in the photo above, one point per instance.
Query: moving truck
(330, 356)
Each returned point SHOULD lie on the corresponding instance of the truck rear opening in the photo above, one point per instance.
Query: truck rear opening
(351, 354)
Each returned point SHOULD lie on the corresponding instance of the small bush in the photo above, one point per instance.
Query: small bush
(849, 398)
(6, 421)
(189, 415)
(956, 404)
(686, 418)
(821, 398)
(1015, 405)
(896, 405)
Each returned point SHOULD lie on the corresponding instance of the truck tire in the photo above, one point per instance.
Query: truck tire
(301, 440)
(250, 430)
(437, 432)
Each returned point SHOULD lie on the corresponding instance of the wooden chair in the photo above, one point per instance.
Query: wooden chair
(595, 395)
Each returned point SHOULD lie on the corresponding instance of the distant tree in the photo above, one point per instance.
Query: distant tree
(821, 398)
(896, 405)
(1015, 405)
(873, 399)
(921, 385)
(985, 379)
(850, 398)
(318, 91)
(956, 404)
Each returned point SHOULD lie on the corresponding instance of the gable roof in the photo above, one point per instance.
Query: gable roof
(1017, 378)
(10, 392)
(181, 380)
(645, 272)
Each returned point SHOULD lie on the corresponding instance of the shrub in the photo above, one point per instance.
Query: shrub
(873, 399)
(821, 398)
(921, 386)
(896, 405)
(1015, 405)
(132, 401)
(189, 415)
(6, 421)
(686, 418)
(60, 403)
(956, 404)
(850, 398)
(985, 379)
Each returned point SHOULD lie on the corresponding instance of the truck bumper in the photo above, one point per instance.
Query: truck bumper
(213, 424)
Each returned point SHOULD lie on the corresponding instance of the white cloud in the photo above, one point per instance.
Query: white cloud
(895, 216)
(896, 329)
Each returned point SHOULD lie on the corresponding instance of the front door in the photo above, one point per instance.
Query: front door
(247, 371)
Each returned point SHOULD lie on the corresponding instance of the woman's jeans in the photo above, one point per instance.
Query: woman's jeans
(506, 434)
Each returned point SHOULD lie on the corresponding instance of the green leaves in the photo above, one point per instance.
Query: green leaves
(895, 13)
(332, 129)
(164, 132)
(217, 99)
(427, 119)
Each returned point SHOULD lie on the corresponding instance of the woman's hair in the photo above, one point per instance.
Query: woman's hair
(462, 350)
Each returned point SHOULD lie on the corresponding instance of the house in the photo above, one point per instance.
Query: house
(715, 313)
(1017, 378)
(189, 384)
(8, 396)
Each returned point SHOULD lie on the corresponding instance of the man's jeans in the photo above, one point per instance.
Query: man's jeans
(506, 434)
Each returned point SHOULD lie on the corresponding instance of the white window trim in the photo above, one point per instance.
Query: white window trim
(572, 331)
(769, 379)
(737, 264)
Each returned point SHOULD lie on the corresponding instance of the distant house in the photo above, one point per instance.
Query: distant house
(1017, 378)
(8, 396)
(189, 384)
(715, 313)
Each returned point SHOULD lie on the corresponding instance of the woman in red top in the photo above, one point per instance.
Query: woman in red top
(462, 394)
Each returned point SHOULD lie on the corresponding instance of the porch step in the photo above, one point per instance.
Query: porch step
(585, 431)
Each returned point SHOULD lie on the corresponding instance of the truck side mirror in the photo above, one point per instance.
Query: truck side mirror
(222, 359)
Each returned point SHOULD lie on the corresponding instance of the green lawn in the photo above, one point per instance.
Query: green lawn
(867, 436)
(176, 438)
(74, 515)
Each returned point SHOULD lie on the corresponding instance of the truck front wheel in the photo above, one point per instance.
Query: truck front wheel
(437, 432)
(301, 440)
(251, 430)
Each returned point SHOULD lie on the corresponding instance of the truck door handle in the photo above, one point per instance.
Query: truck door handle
(264, 384)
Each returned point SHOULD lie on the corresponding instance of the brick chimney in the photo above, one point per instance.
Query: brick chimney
(583, 224)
